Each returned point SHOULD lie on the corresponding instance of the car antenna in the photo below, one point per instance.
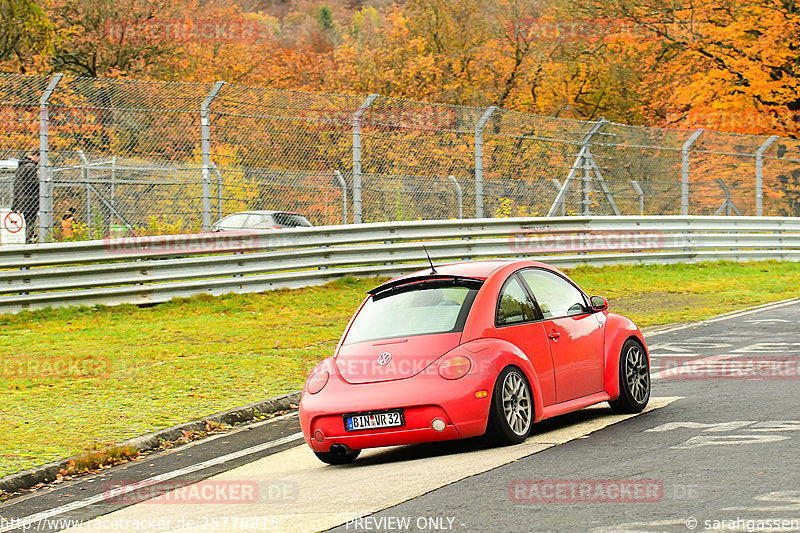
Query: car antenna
(433, 270)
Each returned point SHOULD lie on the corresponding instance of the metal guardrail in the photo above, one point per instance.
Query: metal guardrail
(155, 269)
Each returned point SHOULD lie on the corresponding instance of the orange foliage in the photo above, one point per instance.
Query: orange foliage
(729, 65)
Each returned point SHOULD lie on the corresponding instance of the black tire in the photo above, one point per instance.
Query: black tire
(337, 459)
(511, 412)
(634, 379)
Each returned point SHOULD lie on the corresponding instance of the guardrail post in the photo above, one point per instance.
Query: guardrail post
(760, 174)
(459, 196)
(479, 160)
(685, 170)
(357, 156)
(45, 177)
(205, 146)
(343, 186)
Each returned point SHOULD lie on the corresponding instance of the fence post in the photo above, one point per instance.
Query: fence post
(343, 186)
(219, 189)
(85, 181)
(357, 156)
(459, 196)
(760, 174)
(685, 170)
(586, 185)
(205, 146)
(45, 177)
(479, 160)
(111, 220)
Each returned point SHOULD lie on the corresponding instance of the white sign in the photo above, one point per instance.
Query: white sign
(12, 229)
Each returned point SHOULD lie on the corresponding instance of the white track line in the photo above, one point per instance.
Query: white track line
(749, 311)
(735, 314)
(28, 521)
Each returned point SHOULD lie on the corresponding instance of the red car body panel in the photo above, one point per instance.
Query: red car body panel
(357, 363)
(576, 345)
(618, 330)
(577, 368)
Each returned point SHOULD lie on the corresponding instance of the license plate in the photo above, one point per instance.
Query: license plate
(376, 419)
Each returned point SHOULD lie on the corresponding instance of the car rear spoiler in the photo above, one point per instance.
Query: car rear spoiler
(404, 284)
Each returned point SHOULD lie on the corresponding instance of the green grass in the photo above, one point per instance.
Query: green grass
(75, 379)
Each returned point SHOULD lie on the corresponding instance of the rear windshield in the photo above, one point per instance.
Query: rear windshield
(290, 220)
(422, 311)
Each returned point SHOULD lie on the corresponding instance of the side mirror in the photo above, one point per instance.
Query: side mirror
(599, 303)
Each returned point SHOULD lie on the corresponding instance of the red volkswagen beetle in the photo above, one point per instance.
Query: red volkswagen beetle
(468, 349)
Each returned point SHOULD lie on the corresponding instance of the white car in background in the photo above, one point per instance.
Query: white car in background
(259, 220)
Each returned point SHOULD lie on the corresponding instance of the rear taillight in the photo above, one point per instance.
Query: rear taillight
(455, 367)
(317, 381)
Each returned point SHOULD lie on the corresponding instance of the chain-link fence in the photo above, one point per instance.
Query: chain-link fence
(165, 157)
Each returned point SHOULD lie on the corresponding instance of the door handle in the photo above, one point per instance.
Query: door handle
(554, 335)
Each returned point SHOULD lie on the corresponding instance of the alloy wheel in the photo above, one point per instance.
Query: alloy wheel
(517, 403)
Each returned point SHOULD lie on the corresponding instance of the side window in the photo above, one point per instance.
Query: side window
(234, 221)
(514, 305)
(260, 222)
(556, 296)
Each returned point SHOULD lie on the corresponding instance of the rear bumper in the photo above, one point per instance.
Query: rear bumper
(423, 398)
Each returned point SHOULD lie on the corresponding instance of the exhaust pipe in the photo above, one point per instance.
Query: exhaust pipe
(338, 449)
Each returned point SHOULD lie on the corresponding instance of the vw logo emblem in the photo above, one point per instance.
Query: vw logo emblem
(384, 358)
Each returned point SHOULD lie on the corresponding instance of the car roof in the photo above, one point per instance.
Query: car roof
(263, 212)
(480, 270)
(471, 269)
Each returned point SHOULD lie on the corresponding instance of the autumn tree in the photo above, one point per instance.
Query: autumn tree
(25, 33)
(730, 61)
(253, 48)
(729, 65)
(101, 38)
(518, 54)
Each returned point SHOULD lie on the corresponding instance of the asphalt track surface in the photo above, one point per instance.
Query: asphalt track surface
(716, 450)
